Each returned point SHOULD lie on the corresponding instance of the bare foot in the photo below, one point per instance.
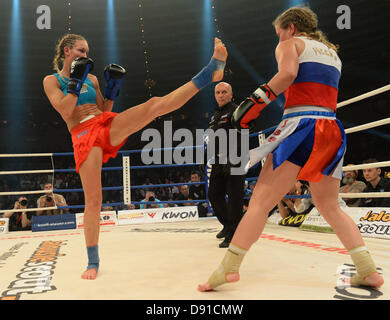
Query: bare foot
(89, 274)
(374, 280)
(230, 277)
(220, 53)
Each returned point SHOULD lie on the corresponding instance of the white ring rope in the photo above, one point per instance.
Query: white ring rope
(13, 193)
(19, 155)
(364, 96)
(365, 195)
(27, 171)
(368, 125)
(367, 166)
(29, 209)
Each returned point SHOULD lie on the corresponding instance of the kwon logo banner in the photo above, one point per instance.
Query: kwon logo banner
(173, 214)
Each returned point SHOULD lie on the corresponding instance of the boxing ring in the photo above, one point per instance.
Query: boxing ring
(166, 261)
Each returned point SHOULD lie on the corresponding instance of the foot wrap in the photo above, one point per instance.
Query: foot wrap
(93, 257)
(230, 264)
(364, 264)
(205, 76)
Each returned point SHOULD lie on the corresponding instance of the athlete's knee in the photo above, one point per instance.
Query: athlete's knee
(94, 203)
(329, 210)
(326, 205)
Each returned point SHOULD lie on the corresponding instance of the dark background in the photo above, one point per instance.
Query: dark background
(178, 45)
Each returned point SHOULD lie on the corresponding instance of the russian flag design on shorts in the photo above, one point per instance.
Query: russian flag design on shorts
(312, 139)
(318, 77)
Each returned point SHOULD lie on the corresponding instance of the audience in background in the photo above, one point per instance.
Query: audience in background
(22, 221)
(19, 220)
(352, 185)
(51, 199)
(375, 183)
(151, 197)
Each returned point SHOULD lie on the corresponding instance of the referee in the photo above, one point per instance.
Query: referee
(226, 191)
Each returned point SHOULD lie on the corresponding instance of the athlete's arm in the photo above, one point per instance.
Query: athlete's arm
(64, 104)
(287, 57)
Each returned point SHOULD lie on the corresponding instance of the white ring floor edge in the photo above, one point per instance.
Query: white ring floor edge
(166, 261)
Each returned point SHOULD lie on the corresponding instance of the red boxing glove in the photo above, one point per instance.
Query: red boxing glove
(251, 107)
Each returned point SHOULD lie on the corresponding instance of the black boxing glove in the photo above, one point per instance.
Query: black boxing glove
(250, 108)
(78, 73)
(114, 75)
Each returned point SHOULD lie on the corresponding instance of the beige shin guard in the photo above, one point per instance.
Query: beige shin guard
(364, 264)
(230, 264)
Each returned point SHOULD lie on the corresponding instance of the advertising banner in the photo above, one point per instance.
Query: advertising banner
(372, 222)
(107, 218)
(170, 214)
(56, 222)
(4, 225)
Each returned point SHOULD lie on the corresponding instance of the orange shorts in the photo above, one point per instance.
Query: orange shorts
(94, 132)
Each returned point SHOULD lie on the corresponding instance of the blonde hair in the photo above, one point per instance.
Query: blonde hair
(306, 21)
(67, 40)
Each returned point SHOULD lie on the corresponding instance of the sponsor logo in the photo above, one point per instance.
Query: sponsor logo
(177, 230)
(178, 215)
(37, 273)
(376, 217)
(374, 229)
(304, 244)
(152, 214)
(11, 252)
(107, 218)
(293, 220)
(130, 216)
(82, 134)
(381, 227)
(56, 222)
(346, 291)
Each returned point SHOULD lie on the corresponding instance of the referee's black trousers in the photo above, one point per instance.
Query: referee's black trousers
(228, 211)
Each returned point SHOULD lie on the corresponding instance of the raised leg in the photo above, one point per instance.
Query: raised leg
(135, 118)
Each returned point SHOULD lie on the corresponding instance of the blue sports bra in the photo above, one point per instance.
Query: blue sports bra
(87, 92)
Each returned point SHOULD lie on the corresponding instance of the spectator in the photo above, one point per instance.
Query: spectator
(247, 195)
(150, 197)
(302, 205)
(197, 192)
(51, 199)
(286, 206)
(352, 185)
(184, 195)
(252, 186)
(19, 221)
(375, 184)
(144, 191)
